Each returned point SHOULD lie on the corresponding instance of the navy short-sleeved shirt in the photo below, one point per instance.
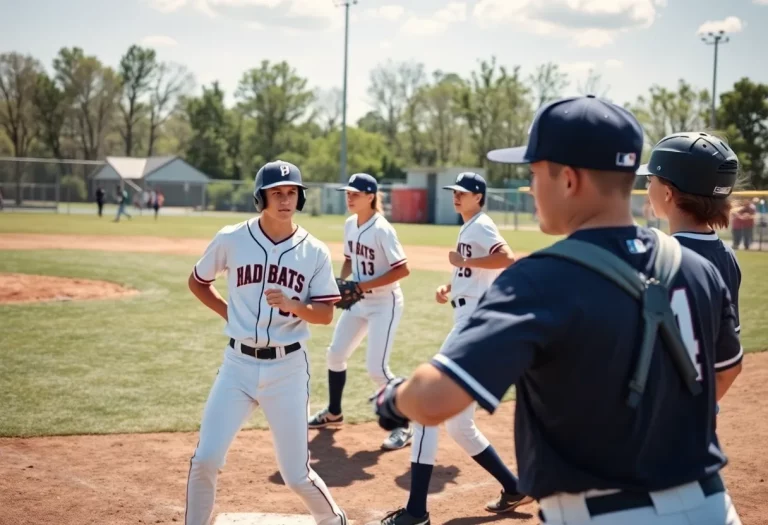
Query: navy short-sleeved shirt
(568, 339)
(709, 246)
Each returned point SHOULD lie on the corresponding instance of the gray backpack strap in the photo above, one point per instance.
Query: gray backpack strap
(652, 293)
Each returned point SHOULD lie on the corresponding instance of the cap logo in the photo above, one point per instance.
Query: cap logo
(626, 160)
(285, 170)
(722, 190)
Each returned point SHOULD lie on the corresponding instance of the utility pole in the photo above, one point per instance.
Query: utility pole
(343, 159)
(715, 39)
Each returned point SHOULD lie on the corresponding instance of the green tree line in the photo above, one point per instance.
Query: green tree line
(81, 108)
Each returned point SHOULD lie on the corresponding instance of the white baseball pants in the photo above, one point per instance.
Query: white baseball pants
(682, 505)
(281, 388)
(460, 427)
(378, 316)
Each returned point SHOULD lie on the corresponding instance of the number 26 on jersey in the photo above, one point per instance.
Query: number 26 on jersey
(464, 272)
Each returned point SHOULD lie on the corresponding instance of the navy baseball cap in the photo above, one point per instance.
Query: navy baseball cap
(582, 132)
(468, 182)
(361, 182)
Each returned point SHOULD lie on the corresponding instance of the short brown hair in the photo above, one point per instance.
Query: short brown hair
(713, 211)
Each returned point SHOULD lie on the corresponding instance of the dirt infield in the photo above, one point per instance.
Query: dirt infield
(419, 257)
(24, 288)
(141, 479)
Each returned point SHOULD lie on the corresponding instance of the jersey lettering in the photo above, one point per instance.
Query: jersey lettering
(465, 250)
(682, 310)
(365, 251)
(282, 276)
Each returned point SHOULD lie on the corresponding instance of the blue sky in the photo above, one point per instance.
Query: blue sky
(633, 43)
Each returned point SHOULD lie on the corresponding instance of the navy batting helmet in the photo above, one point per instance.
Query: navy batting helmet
(695, 163)
(277, 173)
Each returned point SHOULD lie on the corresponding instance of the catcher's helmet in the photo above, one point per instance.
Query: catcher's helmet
(277, 173)
(695, 163)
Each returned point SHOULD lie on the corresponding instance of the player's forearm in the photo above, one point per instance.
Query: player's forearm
(494, 261)
(430, 397)
(392, 276)
(346, 269)
(724, 380)
(314, 313)
(209, 296)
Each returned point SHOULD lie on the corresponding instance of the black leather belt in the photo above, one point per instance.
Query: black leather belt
(265, 352)
(625, 500)
(458, 302)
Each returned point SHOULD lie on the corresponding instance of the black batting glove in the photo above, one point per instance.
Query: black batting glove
(390, 417)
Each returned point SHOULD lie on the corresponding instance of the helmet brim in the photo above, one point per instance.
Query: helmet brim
(283, 183)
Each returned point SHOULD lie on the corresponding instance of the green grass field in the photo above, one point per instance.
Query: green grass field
(146, 363)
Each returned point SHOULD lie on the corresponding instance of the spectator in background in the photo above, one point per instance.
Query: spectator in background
(121, 196)
(100, 194)
(2, 206)
(743, 223)
(158, 201)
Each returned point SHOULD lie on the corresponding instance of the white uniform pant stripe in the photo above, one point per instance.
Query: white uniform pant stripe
(460, 427)
(281, 388)
(376, 316)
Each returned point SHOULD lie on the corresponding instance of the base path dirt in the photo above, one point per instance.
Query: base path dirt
(25, 288)
(141, 479)
(419, 257)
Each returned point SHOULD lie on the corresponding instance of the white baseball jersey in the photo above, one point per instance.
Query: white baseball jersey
(478, 237)
(373, 249)
(300, 266)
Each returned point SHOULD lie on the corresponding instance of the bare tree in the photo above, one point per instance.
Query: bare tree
(136, 69)
(95, 91)
(18, 81)
(385, 93)
(548, 83)
(170, 83)
(328, 108)
(592, 85)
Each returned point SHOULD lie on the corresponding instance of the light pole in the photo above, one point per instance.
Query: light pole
(715, 39)
(343, 159)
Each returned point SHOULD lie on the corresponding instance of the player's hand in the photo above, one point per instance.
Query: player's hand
(277, 299)
(456, 259)
(441, 294)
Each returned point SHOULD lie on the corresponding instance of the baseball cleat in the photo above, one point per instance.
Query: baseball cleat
(401, 517)
(399, 438)
(324, 419)
(508, 501)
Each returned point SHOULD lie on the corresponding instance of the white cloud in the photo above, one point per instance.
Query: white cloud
(576, 67)
(166, 6)
(159, 41)
(385, 44)
(732, 24)
(613, 63)
(588, 23)
(760, 2)
(292, 14)
(386, 12)
(440, 21)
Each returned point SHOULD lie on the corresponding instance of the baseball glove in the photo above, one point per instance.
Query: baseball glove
(350, 293)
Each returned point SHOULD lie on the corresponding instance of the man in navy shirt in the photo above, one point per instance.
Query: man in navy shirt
(569, 339)
(690, 176)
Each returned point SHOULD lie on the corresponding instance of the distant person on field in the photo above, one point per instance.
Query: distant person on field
(121, 197)
(2, 206)
(157, 201)
(100, 195)
(743, 224)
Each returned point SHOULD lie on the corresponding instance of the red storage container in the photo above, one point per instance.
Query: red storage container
(408, 205)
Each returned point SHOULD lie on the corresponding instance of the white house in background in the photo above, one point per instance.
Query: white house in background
(181, 183)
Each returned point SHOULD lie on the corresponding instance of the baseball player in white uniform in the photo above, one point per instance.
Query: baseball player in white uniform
(374, 258)
(481, 254)
(280, 280)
